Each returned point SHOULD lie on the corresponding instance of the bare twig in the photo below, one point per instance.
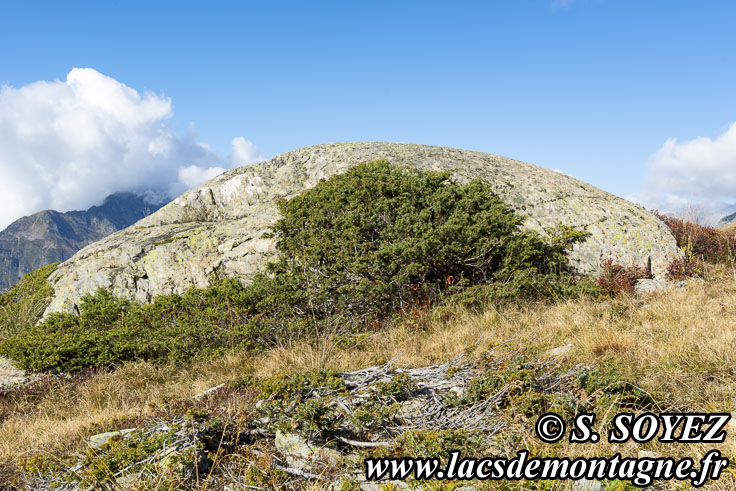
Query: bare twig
(354, 443)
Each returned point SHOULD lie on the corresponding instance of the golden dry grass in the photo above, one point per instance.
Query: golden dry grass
(678, 345)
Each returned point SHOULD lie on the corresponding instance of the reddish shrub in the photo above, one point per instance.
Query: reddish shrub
(616, 279)
(688, 267)
(704, 243)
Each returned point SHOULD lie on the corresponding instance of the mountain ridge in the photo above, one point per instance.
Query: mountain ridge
(51, 236)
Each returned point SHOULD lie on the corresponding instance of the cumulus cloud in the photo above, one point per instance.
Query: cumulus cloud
(193, 175)
(697, 174)
(69, 144)
(244, 152)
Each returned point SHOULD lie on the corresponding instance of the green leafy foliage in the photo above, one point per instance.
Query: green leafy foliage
(297, 385)
(26, 301)
(176, 328)
(379, 239)
(439, 444)
(526, 387)
(101, 465)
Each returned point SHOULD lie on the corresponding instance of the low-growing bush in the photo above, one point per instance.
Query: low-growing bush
(701, 242)
(687, 267)
(523, 286)
(439, 444)
(25, 302)
(202, 323)
(378, 239)
(616, 279)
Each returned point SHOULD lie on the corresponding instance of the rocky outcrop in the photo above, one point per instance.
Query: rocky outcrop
(50, 236)
(219, 226)
(12, 377)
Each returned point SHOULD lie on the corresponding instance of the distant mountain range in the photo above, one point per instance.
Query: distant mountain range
(49, 236)
(727, 220)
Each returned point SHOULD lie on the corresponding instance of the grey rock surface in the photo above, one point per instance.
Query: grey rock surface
(588, 485)
(656, 285)
(12, 377)
(218, 227)
(96, 441)
(560, 351)
(301, 454)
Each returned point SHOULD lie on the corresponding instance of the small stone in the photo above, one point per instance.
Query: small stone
(96, 441)
(560, 350)
(457, 390)
(588, 485)
(657, 285)
(300, 453)
(647, 454)
(12, 377)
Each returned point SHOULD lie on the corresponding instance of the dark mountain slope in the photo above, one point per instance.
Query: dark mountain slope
(49, 236)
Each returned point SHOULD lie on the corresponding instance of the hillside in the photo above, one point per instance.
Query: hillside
(50, 236)
(400, 311)
(639, 353)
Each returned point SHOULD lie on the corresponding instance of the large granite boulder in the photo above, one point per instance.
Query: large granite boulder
(219, 226)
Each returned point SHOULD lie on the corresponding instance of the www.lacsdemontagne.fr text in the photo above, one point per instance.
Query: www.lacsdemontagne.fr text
(639, 471)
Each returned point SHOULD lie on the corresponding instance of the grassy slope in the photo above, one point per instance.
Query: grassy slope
(677, 345)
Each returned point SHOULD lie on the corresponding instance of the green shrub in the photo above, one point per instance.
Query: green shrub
(379, 239)
(298, 385)
(400, 388)
(523, 286)
(176, 328)
(374, 242)
(24, 304)
(439, 444)
(525, 387)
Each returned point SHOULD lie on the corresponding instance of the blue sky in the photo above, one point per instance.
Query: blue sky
(592, 88)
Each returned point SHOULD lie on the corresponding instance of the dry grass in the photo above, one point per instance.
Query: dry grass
(678, 345)
(57, 412)
(682, 332)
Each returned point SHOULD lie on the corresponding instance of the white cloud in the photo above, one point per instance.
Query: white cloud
(245, 153)
(69, 144)
(193, 176)
(694, 174)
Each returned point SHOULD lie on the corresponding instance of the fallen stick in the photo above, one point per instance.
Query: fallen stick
(355, 443)
(208, 391)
